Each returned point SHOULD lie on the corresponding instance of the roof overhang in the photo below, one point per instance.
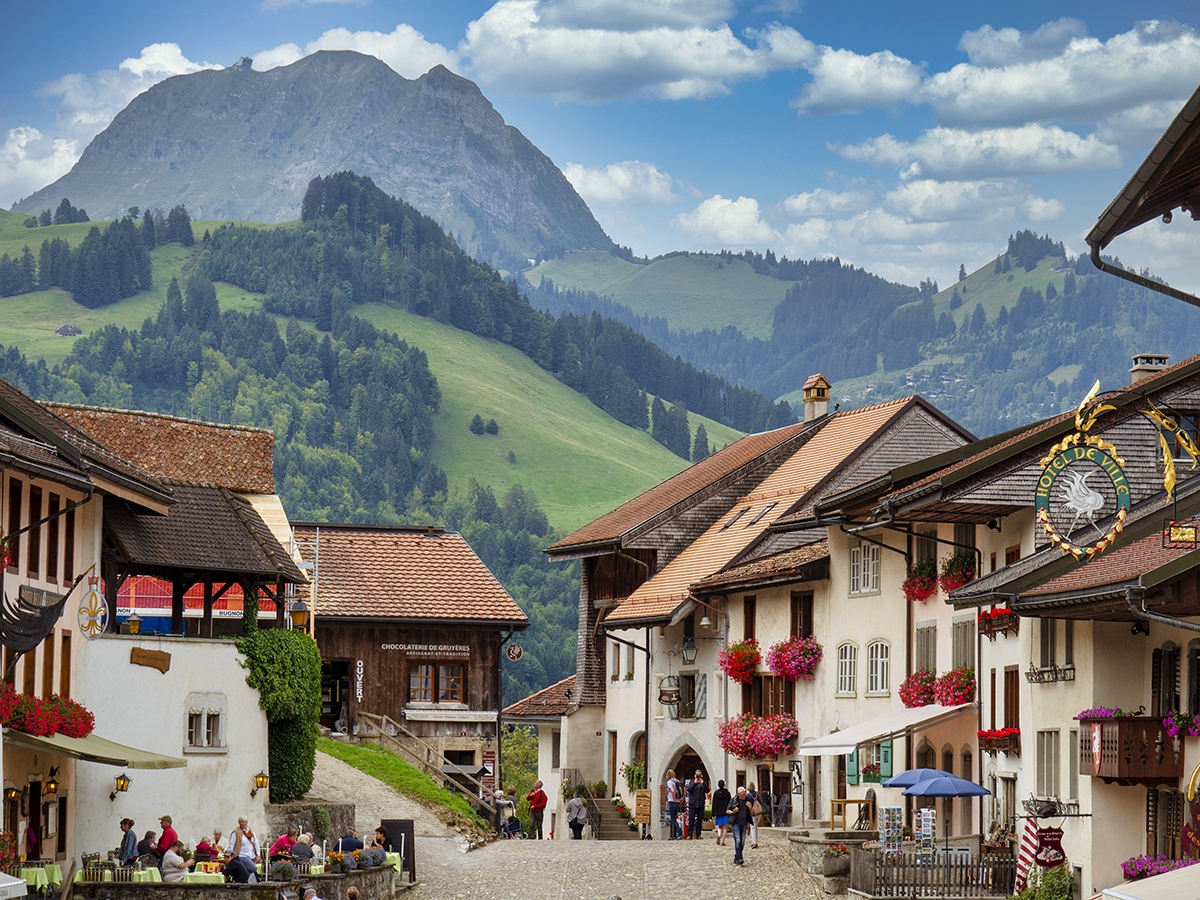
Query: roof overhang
(343, 619)
(94, 748)
(674, 617)
(897, 723)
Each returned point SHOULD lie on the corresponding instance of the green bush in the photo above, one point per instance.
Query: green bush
(322, 824)
(1049, 884)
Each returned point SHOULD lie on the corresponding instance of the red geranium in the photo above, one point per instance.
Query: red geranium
(955, 687)
(740, 660)
(917, 688)
(44, 718)
(921, 583)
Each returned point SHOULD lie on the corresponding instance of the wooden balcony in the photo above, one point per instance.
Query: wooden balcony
(1010, 743)
(1130, 750)
(997, 625)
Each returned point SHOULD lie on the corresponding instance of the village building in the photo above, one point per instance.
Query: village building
(412, 629)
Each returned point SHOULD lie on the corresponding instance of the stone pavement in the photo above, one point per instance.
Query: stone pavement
(604, 870)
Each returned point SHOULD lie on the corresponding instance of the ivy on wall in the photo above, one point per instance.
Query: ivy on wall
(285, 667)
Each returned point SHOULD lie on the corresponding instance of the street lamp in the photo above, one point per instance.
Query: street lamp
(299, 614)
(122, 781)
(689, 650)
(260, 782)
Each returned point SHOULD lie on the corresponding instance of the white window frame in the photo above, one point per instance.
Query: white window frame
(847, 669)
(879, 667)
(206, 707)
(864, 568)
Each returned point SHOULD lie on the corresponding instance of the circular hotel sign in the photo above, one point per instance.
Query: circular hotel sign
(1082, 483)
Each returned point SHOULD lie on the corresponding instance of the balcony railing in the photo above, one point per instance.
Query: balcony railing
(1009, 743)
(874, 874)
(992, 626)
(1130, 750)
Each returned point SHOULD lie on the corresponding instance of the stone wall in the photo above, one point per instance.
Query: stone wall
(301, 813)
(372, 884)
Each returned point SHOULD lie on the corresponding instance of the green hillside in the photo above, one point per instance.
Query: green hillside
(691, 291)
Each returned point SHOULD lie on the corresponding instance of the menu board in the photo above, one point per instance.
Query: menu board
(641, 807)
(926, 834)
(891, 824)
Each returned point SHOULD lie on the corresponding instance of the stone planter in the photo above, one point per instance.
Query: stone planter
(836, 866)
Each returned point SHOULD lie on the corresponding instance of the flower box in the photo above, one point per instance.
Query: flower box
(998, 621)
(1000, 740)
(795, 658)
(753, 737)
(955, 687)
(740, 660)
(872, 778)
(921, 583)
(917, 688)
(957, 569)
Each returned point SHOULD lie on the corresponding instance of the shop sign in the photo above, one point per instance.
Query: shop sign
(358, 681)
(1049, 848)
(438, 651)
(514, 652)
(93, 611)
(488, 779)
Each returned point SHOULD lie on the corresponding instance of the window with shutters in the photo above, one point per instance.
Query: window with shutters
(878, 668)
(767, 695)
(1012, 697)
(963, 644)
(1048, 639)
(847, 669)
(925, 546)
(33, 556)
(693, 696)
(1047, 763)
(1164, 680)
(964, 534)
(864, 568)
(925, 646)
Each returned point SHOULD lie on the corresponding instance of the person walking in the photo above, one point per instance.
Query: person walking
(674, 796)
(720, 805)
(128, 852)
(739, 818)
(576, 816)
(755, 818)
(697, 792)
(537, 808)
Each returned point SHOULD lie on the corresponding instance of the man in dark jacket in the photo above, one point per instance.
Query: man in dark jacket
(739, 818)
(697, 791)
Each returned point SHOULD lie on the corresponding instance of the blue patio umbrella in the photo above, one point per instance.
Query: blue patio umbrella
(913, 776)
(944, 785)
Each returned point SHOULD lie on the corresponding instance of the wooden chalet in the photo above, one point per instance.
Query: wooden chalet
(411, 626)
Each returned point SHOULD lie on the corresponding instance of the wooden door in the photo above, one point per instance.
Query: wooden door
(612, 761)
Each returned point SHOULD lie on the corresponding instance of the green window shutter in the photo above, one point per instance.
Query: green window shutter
(852, 767)
(885, 759)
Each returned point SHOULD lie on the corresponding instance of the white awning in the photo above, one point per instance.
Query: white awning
(1182, 884)
(890, 724)
(12, 887)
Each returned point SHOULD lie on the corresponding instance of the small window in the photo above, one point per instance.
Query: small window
(555, 749)
(847, 669)
(420, 684)
(212, 730)
(195, 729)
(33, 559)
(741, 512)
(766, 509)
(1049, 640)
(878, 667)
(450, 684)
(204, 723)
(864, 568)
(1047, 763)
(1012, 554)
(963, 651)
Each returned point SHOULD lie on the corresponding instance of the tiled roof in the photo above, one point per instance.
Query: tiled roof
(404, 573)
(231, 456)
(814, 380)
(210, 529)
(32, 417)
(551, 701)
(39, 454)
(1114, 567)
(661, 497)
(750, 517)
(778, 565)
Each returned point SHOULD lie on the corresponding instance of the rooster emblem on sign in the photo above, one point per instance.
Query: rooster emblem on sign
(1078, 498)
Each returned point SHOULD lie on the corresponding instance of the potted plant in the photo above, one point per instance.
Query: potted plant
(634, 773)
(921, 583)
(795, 658)
(957, 569)
(282, 870)
(870, 772)
(614, 677)
(1178, 723)
(836, 861)
(337, 862)
(629, 676)
(917, 688)
(598, 789)
(687, 709)
(955, 687)
(740, 660)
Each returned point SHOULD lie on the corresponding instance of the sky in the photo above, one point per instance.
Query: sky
(904, 138)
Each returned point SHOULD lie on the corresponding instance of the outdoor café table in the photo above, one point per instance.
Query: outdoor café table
(840, 803)
(396, 860)
(203, 878)
(38, 878)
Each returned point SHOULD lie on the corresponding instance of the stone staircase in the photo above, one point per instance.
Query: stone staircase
(612, 826)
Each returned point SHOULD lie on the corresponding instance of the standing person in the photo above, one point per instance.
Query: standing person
(537, 807)
(697, 792)
(128, 851)
(720, 803)
(739, 818)
(243, 847)
(674, 796)
(167, 838)
(755, 817)
(576, 816)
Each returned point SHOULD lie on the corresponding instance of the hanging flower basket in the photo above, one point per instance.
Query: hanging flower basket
(44, 718)
(955, 687)
(795, 658)
(917, 688)
(1000, 620)
(740, 660)
(921, 583)
(1180, 723)
(957, 569)
(753, 737)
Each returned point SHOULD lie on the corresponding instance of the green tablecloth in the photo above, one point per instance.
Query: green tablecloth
(145, 876)
(37, 878)
(395, 860)
(204, 878)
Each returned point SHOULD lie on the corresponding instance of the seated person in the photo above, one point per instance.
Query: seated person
(282, 848)
(382, 841)
(174, 866)
(303, 850)
(350, 842)
(240, 870)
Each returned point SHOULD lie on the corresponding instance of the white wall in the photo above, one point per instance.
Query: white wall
(147, 709)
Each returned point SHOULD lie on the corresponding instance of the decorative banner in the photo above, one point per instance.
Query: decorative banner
(93, 612)
(1049, 849)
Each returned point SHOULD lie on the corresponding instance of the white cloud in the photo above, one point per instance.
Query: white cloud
(824, 202)
(404, 49)
(543, 47)
(634, 15)
(722, 223)
(989, 46)
(29, 160)
(956, 153)
(845, 82)
(631, 182)
(955, 201)
(1139, 126)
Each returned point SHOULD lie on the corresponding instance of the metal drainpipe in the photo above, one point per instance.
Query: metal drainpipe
(1135, 594)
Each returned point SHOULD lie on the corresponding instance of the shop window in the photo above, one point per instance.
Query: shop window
(436, 682)
(864, 568)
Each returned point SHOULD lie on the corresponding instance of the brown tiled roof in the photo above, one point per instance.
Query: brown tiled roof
(209, 529)
(38, 454)
(378, 572)
(814, 380)
(1114, 567)
(661, 497)
(551, 701)
(779, 493)
(231, 456)
(778, 565)
(41, 424)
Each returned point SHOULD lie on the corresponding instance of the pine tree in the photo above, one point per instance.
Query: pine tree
(148, 237)
(700, 448)
(658, 421)
(477, 426)
(962, 271)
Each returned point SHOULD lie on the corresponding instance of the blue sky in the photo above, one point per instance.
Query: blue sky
(905, 138)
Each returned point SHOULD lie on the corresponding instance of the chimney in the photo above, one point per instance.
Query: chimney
(1147, 364)
(816, 397)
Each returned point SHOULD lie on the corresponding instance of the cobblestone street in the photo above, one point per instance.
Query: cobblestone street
(602, 870)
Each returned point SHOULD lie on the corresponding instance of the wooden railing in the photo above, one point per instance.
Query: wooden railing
(1130, 750)
(431, 761)
(575, 778)
(946, 875)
